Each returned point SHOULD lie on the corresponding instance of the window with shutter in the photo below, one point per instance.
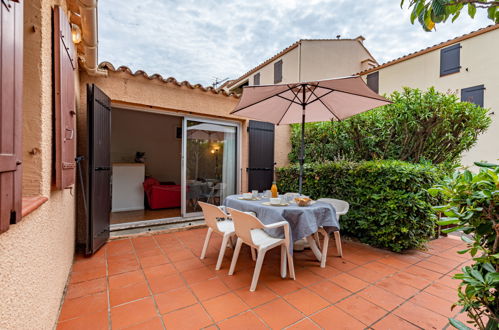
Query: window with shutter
(450, 60)
(473, 94)
(11, 67)
(373, 81)
(256, 79)
(278, 72)
(65, 105)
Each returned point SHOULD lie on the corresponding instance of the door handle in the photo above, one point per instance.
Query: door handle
(103, 168)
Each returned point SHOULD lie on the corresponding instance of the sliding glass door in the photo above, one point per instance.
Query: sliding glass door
(210, 163)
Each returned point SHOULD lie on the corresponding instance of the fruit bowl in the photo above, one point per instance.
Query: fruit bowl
(303, 201)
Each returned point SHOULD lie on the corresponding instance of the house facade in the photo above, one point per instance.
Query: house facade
(465, 66)
(305, 60)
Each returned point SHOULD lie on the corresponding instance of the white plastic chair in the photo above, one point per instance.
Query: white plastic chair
(249, 230)
(341, 208)
(213, 215)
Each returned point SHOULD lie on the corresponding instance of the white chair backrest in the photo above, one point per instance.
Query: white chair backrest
(340, 206)
(211, 213)
(243, 224)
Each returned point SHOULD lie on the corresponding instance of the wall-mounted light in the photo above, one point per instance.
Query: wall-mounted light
(76, 33)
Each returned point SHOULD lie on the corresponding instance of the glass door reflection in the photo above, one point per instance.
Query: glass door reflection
(210, 163)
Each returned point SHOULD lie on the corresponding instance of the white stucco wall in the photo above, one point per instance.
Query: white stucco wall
(479, 65)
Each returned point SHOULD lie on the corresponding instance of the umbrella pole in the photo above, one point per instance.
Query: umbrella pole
(302, 147)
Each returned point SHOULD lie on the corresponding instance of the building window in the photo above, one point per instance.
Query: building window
(373, 81)
(473, 95)
(256, 79)
(278, 72)
(450, 60)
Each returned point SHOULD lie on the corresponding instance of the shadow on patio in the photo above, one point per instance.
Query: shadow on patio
(158, 281)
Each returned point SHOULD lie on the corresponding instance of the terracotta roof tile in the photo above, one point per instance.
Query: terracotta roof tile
(110, 67)
(431, 48)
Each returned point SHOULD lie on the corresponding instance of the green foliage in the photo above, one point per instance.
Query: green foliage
(389, 203)
(431, 12)
(472, 205)
(418, 126)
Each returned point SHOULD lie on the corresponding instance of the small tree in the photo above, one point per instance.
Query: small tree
(431, 12)
(472, 205)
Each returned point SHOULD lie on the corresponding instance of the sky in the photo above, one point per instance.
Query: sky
(202, 40)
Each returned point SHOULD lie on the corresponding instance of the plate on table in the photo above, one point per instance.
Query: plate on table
(249, 199)
(269, 204)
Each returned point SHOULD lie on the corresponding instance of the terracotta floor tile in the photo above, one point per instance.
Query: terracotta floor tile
(224, 306)
(180, 254)
(94, 320)
(174, 299)
(247, 320)
(122, 267)
(88, 275)
(304, 324)
(165, 283)
(420, 316)
(152, 261)
(278, 314)
(363, 310)
(306, 277)
(434, 303)
(442, 269)
(349, 282)
(443, 292)
(411, 279)
(393, 322)
(81, 289)
(117, 247)
(133, 313)
(330, 291)
(256, 298)
(160, 271)
(394, 262)
(359, 258)
(155, 251)
(125, 279)
(89, 264)
(423, 273)
(193, 317)
(380, 297)
(334, 318)
(366, 274)
(280, 286)
(209, 289)
(198, 275)
(83, 305)
(306, 301)
(396, 287)
(236, 281)
(326, 272)
(128, 293)
(341, 264)
(152, 324)
(448, 281)
(381, 268)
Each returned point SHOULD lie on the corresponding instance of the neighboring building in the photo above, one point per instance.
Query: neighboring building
(305, 60)
(466, 65)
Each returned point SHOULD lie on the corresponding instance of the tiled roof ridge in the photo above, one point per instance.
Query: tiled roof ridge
(279, 54)
(431, 48)
(123, 68)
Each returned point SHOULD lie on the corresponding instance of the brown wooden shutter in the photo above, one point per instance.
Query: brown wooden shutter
(65, 105)
(11, 67)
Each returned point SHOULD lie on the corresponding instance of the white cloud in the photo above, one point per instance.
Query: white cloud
(200, 40)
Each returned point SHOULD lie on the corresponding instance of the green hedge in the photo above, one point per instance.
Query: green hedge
(389, 203)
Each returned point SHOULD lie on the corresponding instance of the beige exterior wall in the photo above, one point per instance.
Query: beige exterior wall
(36, 254)
(310, 60)
(478, 66)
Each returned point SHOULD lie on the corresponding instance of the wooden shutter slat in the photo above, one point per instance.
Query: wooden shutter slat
(11, 67)
(373, 81)
(65, 103)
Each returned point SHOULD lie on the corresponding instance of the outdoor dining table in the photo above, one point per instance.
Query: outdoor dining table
(303, 221)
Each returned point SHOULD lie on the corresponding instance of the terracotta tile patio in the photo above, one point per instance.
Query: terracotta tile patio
(157, 281)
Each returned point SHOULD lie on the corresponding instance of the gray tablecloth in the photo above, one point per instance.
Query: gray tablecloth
(303, 221)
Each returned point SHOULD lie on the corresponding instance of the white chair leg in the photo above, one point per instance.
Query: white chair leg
(291, 264)
(258, 268)
(222, 251)
(283, 261)
(337, 238)
(206, 241)
(235, 256)
(316, 237)
(253, 253)
(324, 247)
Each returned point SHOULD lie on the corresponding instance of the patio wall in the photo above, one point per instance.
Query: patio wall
(36, 254)
(479, 63)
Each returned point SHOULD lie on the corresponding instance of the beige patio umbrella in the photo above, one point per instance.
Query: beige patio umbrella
(323, 100)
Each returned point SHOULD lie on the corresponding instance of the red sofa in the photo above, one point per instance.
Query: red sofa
(161, 196)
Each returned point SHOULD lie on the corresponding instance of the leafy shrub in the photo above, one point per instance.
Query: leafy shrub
(389, 203)
(473, 206)
(418, 126)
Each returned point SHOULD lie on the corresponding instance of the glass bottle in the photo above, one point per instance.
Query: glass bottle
(274, 191)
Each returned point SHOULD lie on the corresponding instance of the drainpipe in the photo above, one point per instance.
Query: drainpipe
(88, 14)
